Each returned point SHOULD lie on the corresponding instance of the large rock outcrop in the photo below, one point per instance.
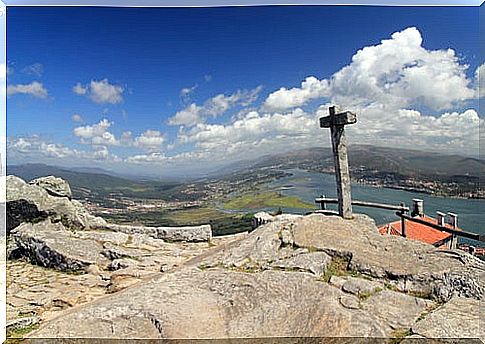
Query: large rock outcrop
(32, 202)
(297, 276)
(54, 186)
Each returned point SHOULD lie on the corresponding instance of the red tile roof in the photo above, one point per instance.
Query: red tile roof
(417, 231)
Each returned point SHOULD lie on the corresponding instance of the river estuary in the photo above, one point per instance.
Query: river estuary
(309, 185)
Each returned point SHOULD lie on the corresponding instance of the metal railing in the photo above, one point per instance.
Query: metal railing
(401, 211)
(401, 208)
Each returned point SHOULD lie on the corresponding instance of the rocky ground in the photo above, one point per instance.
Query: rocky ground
(60, 256)
(74, 276)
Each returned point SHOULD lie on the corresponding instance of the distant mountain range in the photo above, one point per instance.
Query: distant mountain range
(383, 160)
(100, 181)
(386, 160)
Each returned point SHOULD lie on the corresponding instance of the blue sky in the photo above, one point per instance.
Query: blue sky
(167, 89)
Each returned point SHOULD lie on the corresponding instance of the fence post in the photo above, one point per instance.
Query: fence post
(322, 204)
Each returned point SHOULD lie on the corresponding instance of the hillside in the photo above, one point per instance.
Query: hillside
(102, 184)
(404, 162)
(366, 163)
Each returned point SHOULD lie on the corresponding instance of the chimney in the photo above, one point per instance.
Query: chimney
(418, 208)
(453, 220)
(440, 218)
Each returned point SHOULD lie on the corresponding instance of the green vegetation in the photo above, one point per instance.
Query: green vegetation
(267, 199)
(221, 223)
(17, 334)
(398, 336)
(249, 266)
(312, 249)
(129, 240)
(337, 267)
(365, 295)
(428, 310)
(419, 294)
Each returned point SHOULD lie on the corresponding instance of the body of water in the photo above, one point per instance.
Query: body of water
(309, 185)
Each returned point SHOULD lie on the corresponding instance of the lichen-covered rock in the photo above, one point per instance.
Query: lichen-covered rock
(19, 323)
(54, 186)
(269, 284)
(91, 221)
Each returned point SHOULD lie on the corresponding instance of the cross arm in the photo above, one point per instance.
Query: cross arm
(343, 118)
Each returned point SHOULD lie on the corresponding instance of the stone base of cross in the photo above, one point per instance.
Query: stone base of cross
(336, 122)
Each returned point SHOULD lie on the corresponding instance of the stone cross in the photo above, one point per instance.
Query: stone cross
(336, 123)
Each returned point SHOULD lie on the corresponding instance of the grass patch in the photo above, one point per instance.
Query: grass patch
(337, 267)
(203, 266)
(312, 249)
(398, 336)
(365, 295)
(428, 310)
(249, 266)
(268, 199)
(391, 287)
(221, 223)
(419, 294)
(250, 269)
(17, 334)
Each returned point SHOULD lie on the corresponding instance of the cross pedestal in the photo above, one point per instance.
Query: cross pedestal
(336, 122)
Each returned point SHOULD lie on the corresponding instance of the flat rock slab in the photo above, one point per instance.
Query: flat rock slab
(314, 262)
(51, 245)
(361, 286)
(32, 289)
(220, 294)
(397, 310)
(262, 247)
(458, 318)
(186, 233)
(217, 303)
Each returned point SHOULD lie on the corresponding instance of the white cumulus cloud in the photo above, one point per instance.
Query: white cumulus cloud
(101, 92)
(34, 147)
(311, 88)
(97, 134)
(399, 71)
(215, 106)
(150, 140)
(35, 89)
